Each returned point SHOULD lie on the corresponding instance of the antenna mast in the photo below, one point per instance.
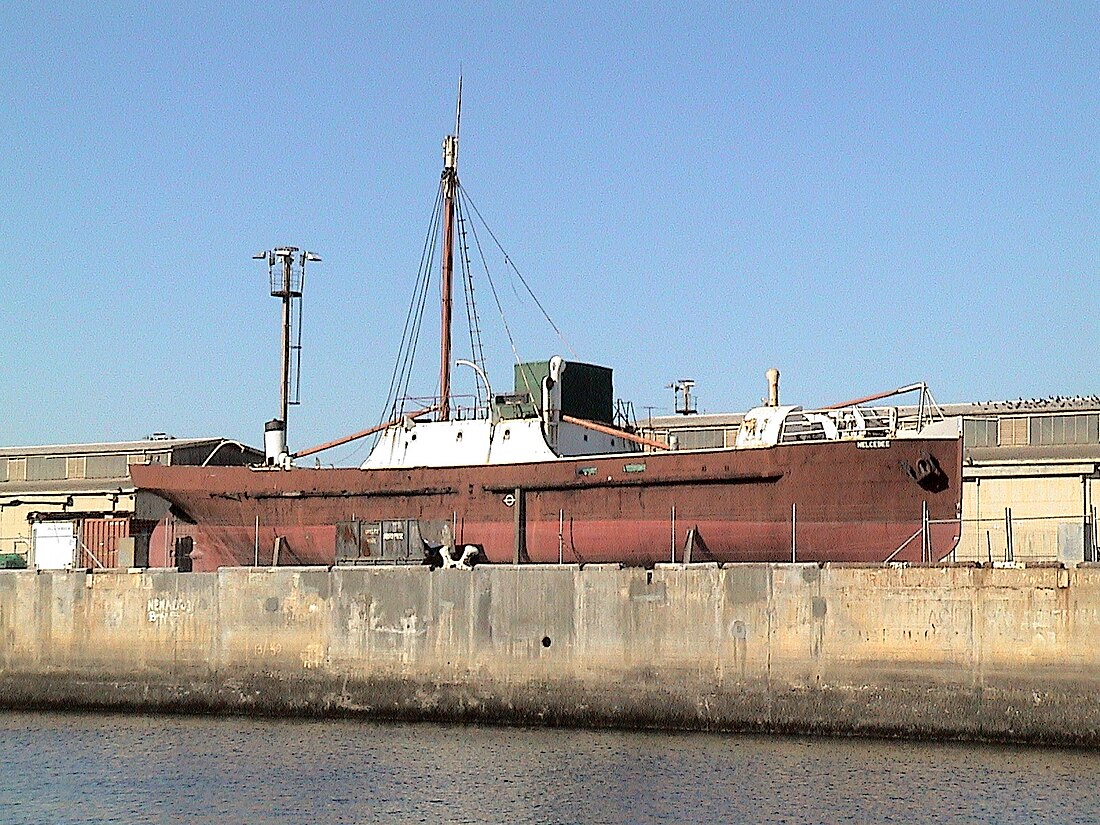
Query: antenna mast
(286, 267)
(684, 386)
(449, 184)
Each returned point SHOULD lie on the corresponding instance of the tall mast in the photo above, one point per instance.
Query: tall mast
(449, 183)
(287, 271)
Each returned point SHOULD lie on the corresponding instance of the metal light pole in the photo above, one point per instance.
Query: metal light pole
(286, 267)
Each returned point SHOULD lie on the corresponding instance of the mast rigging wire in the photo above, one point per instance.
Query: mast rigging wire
(402, 369)
(496, 297)
(473, 325)
(514, 268)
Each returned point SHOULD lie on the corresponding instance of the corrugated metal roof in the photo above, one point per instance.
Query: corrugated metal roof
(147, 445)
(63, 487)
(1022, 406)
(1023, 454)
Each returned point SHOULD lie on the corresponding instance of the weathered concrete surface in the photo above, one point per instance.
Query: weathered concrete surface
(958, 652)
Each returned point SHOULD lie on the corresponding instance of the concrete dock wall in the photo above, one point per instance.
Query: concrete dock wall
(1005, 654)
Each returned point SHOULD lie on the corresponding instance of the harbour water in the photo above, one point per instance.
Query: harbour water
(95, 768)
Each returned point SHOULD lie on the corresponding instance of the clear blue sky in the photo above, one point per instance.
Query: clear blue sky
(858, 195)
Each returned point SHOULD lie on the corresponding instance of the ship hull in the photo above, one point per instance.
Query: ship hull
(842, 502)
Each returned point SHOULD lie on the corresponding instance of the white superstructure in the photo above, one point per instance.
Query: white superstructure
(419, 442)
(770, 426)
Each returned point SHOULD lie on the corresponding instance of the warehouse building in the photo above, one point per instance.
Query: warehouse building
(1031, 480)
(75, 506)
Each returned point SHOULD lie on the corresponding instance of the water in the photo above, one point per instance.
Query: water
(81, 768)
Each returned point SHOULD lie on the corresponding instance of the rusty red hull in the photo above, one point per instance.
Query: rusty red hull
(851, 504)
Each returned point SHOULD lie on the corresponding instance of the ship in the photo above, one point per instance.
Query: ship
(549, 474)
